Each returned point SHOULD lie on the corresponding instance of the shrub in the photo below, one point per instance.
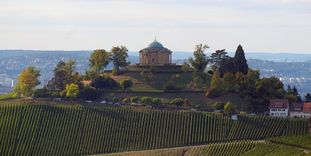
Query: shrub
(115, 100)
(146, 100)
(134, 99)
(218, 105)
(89, 93)
(11, 95)
(126, 100)
(43, 92)
(156, 101)
(177, 102)
(229, 108)
(126, 84)
(213, 93)
(171, 87)
(104, 83)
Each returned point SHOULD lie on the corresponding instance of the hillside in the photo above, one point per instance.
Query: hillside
(237, 148)
(52, 128)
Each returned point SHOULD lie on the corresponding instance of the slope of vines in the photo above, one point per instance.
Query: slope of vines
(70, 130)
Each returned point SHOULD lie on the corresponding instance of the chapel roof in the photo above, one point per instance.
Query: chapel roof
(156, 44)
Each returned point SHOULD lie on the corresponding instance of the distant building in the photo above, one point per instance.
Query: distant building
(279, 107)
(306, 110)
(295, 110)
(155, 54)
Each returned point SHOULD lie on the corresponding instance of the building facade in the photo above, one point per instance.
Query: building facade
(279, 107)
(295, 110)
(155, 54)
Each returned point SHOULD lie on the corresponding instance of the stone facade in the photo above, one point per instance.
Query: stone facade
(155, 54)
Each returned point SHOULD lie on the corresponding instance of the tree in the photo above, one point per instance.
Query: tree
(99, 59)
(227, 65)
(198, 65)
(72, 90)
(64, 73)
(240, 61)
(118, 57)
(217, 57)
(214, 89)
(266, 89)
(125, 84)
(229, 108)
(200, 60)
(27, 81)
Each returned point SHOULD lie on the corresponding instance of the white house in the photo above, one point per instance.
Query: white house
(279, 107)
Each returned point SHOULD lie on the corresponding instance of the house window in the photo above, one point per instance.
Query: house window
(153, 60)
(273, 109)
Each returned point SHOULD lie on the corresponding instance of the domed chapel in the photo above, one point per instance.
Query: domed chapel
(155, 54)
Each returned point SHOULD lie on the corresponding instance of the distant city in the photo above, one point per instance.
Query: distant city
(292, 69)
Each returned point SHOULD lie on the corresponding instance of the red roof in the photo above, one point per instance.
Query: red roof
(279, 103)
(307, 107)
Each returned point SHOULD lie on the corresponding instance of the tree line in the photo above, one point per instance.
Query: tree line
(219, 74)
(67, 82)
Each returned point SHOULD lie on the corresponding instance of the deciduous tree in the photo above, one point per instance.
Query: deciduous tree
(99, 59)
(27, 81)
(118, 56)
(72, 90)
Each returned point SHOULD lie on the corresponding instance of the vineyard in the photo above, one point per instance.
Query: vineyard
(39, 129)
(237, 148)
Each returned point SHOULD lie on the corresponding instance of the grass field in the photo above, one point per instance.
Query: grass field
(154, 81)
(35, 128)
(303, 141)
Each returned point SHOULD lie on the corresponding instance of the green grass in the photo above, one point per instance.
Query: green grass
(35, 128)
(154, 81)
(303, 141)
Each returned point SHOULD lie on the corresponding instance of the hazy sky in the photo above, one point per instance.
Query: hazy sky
(258, 25)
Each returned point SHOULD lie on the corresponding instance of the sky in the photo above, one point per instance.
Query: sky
(258, 25)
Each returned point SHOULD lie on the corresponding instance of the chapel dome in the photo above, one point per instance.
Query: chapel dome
(156, 44)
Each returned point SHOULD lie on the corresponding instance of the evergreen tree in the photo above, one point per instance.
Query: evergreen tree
(227, 65)
(240, 61)
(217, 57)
(308, 97)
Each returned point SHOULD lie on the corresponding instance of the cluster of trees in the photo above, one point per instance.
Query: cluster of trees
(66, 82)
(219, 62)
(232, 75)
(100, 58)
